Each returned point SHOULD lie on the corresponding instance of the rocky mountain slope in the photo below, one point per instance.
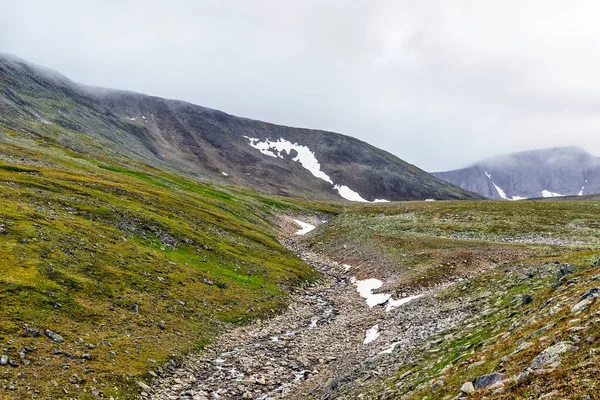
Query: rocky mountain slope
(564, 171)
(202, 143)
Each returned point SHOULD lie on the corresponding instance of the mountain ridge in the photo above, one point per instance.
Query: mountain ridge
(204, 143)
(549, 172)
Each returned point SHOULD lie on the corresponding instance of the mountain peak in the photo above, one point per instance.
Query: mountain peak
(550, 172)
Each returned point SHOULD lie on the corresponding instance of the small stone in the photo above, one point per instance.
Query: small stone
(4, 359)
(467, 388)
(144, 387)
(526, 299)
(161, 325)
(436, 385)
(86, 356)
(54, 336)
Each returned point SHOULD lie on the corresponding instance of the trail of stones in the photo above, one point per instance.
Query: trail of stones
(268, 359)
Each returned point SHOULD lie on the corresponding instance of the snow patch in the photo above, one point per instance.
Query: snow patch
(381, 201)
(500, 191)
(372, 334)
(346, 267)
(392, 304)
(581, 191)
(365, 290)
(307, 159)
(349, 194)
(429, 199)
(390, 349)
(224, 173)
(305, 227)
(547, 193)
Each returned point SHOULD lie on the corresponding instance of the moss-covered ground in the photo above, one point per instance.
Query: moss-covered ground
(130, 265)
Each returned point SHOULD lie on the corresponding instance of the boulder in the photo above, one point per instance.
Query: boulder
(550, 357)
(484, 381)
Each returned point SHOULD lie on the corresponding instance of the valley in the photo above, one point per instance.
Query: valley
(155, 249)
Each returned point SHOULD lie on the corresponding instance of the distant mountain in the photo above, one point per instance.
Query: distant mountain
(562, 171)
(199, 142)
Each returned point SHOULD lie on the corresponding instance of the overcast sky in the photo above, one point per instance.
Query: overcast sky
(440, 84)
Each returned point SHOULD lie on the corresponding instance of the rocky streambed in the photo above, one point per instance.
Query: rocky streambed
(330, 332)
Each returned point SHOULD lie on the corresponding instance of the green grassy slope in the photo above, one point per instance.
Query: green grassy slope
(131, 266)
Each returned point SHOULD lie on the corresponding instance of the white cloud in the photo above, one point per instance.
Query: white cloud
(440, 84)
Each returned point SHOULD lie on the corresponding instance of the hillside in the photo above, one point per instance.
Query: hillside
(500, 300)
(107, 273)
(564, 171)
(203, 143)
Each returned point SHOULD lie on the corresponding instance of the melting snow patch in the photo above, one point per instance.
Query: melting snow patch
(365, 289)
(581, 191)
(307, 159)
(305, 156)
(429, 199)
(397, 303)
(500, 191)
(372, 334)
(305, 227)
(131, 119)
(381, 201)
(224, 173)
(547, 193)
(349, 194)
(390, 349)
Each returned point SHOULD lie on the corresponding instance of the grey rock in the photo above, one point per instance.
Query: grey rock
(161, 325)
(564, 270)
(467, 388)
(4, 359)
(591, 294)
(484, 381)
(54, 336)
(436, 385)
(144, 387)
(551, 356)
(86, 356)
(526, 299)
